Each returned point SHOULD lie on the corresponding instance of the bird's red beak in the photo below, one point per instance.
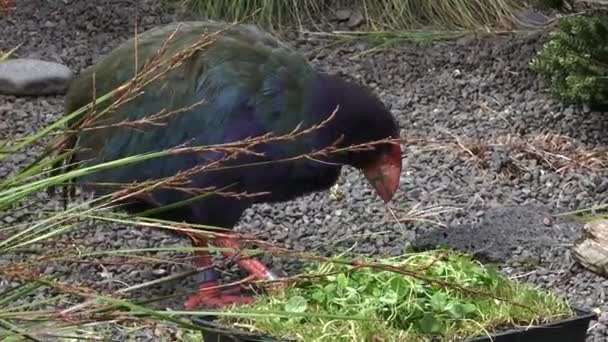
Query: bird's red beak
(384, 174)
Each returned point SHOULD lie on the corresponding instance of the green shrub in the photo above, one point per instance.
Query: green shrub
(574, 61)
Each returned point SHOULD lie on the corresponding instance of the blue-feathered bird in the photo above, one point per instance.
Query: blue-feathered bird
(252, 84)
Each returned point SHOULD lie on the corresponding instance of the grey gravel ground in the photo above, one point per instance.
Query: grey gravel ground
(470, 92)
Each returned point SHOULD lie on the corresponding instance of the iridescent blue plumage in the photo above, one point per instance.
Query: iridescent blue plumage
(252, 84)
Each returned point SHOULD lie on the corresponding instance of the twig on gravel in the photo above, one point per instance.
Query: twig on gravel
(557, 152)
(415, 214)
(461, 145)
(494, 111)
(140, 286)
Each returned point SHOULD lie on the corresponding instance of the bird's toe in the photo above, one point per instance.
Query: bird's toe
(212, 295)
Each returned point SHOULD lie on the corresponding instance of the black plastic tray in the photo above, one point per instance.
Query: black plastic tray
(568, 330)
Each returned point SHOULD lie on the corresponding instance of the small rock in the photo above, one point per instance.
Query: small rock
(159, 272)
(343, 14)
(33, 77)
(531, 18)
(105, 274)
(591, 250)
(356, 19)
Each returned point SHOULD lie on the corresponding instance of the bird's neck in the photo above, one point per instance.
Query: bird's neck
(329, 95)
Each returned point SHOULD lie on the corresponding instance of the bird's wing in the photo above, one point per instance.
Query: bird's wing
(252, 84)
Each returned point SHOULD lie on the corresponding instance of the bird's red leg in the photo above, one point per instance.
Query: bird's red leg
(210, 293)
(252, 265)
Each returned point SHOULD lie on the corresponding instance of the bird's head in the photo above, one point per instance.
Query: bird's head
(362, 118)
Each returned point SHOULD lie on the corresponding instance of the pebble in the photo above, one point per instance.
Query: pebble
(355, 20)
(343, 14)
(33, 77)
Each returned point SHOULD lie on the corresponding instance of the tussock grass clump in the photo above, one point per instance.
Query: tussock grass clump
(574, 62)
(415, 297)
(380, 14)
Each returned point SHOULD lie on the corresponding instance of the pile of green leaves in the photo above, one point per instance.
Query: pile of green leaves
(574, 61)
(436, 294)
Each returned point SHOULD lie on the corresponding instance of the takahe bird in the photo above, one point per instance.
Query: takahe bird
(253, 84)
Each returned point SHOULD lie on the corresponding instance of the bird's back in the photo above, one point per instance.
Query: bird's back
(251, 82)
(119, 65)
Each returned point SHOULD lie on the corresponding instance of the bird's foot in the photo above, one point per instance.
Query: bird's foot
(211, 294)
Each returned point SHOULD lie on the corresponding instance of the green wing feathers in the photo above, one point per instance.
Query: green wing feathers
(241, 65)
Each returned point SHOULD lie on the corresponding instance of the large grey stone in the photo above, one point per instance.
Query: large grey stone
(355, 19)
(26, 76)
(530, 19)
(591, 249)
